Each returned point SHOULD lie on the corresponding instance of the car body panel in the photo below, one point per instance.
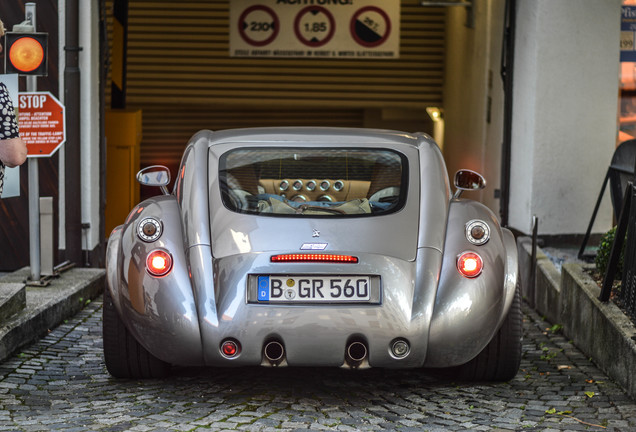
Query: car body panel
(159, 312)
(183, 317)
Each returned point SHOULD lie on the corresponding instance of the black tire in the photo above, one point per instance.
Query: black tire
(501, 358)
(124, 356)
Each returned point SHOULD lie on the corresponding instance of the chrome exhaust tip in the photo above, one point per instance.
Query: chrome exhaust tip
(356, 353)
(274, 352)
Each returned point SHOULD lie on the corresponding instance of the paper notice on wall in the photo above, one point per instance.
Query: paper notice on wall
(333, 29)
(11, 186)
(628, 34)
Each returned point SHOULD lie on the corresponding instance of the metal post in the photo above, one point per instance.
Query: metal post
(586, 238)
(46, 236)
(533, 261)
(34, 176)
(34, 219)
(72, 156)
(617, 247)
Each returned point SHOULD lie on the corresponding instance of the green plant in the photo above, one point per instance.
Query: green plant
(602, 256)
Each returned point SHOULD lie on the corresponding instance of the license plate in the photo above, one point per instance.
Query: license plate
(314, 289)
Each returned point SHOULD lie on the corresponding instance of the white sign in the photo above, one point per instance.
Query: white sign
(358, 29)
(11, 186)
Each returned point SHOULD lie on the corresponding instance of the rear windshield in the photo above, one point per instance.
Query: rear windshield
(320, 182)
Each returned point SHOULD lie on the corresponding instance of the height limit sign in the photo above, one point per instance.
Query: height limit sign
(315, 28)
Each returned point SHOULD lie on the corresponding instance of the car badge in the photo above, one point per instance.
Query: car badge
(315, 233)
(313, 246)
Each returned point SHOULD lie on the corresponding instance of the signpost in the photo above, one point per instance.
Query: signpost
(42, 128)
(39, 123)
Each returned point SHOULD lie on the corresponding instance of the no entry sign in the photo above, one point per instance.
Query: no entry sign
(42, 123)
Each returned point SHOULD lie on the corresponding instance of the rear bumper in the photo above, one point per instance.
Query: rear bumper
(317, 335)
(183, 317)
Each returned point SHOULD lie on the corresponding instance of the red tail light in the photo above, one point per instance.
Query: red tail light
(470, 264)
(314, 258)
(230, 348)
(159, 262)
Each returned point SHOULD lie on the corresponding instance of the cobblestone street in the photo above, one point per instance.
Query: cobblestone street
(61, 383)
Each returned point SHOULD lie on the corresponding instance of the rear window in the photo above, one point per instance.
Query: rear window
(320, 182)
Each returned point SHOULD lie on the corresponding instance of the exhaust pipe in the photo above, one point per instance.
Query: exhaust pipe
(356, 353)
(274, 352)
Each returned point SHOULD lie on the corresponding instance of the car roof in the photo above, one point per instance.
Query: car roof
(282, 135)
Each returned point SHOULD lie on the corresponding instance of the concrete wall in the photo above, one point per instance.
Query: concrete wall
(565, 107)
(472, 87)
(565, 112)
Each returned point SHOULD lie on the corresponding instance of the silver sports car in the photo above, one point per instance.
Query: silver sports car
(312, 247)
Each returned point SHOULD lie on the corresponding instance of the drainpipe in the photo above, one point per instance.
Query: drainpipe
(507, 73)
(72, 159)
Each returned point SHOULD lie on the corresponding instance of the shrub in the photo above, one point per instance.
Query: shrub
(602, 256)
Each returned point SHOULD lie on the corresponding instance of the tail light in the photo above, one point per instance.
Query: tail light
(314, 258)
(230, 348)
(470, 264)
(158, 263)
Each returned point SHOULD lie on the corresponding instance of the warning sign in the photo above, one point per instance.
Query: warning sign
(314, 26)
(370, 26)
(258, 25)
(42, 123)
(360, 29)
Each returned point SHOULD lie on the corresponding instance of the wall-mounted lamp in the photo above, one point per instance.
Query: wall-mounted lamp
(437, 117)
(434, 113)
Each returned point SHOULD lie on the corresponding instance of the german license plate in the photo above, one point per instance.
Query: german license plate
(314, 289)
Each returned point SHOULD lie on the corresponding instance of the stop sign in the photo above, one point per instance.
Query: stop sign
(42, 123)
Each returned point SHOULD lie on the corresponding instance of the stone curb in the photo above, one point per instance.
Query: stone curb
(600, 330)
(47, 307)
(12, 299)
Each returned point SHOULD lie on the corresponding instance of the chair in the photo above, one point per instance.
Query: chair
(620, 172)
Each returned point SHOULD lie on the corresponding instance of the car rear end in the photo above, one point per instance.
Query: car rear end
(314, 240)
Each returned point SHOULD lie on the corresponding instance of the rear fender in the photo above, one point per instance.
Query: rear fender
(160, 312)
(469, 311)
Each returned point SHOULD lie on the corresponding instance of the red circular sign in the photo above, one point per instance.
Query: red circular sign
(259, 31)
(370, 26)
(41, 119)
(310, 29)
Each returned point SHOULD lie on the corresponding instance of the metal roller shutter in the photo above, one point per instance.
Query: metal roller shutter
(181, 76)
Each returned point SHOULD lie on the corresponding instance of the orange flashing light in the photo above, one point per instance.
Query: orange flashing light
(26, 53)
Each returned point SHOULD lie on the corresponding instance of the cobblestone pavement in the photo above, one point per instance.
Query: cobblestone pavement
(61, 383)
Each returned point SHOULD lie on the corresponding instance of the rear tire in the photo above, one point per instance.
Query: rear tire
(124, 356)
(501, 358)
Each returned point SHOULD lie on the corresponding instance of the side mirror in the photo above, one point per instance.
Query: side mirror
(468, 180)
(155, 175)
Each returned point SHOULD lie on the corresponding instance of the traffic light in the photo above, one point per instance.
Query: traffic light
(26, 53)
